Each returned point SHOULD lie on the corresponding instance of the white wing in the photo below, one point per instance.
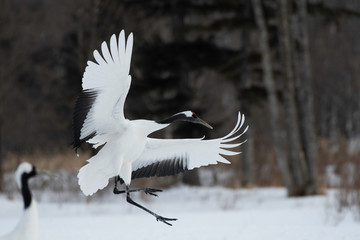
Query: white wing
(163, 157)
(106, 82)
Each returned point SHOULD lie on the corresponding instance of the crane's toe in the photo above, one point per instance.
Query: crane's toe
(152, 191)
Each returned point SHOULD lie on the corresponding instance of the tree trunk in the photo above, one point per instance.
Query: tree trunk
(305, 99)
(296, 161)
(270, 87)
(247, 169)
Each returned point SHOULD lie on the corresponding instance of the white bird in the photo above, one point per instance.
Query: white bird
(27, 228)
(127, 152)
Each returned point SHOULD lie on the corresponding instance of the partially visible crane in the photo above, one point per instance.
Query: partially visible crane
(27, 228)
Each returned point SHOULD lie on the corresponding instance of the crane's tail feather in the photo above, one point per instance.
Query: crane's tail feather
(95, 175)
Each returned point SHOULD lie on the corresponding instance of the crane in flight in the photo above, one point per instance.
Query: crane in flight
(127, 152)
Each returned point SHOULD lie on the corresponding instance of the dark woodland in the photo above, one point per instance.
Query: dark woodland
(290, 66)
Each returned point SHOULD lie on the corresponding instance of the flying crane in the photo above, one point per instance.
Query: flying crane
(127, 152)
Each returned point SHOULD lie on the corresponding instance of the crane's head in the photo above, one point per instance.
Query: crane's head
(25, 171)
(190, 116)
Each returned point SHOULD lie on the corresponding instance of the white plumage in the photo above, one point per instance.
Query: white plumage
(123, 154)
(127, 151)
(111, 80)
(199, 152)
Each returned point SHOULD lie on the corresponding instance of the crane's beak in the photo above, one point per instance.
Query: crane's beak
(202, 122)
(46, 173)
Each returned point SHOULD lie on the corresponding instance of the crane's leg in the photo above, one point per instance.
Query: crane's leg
(145, 190)
(150, 191)
(158, 217)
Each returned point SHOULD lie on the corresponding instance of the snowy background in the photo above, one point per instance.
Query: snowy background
(202, 212)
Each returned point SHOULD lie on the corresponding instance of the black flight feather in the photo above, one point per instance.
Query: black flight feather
(83, 105)
(162, 168)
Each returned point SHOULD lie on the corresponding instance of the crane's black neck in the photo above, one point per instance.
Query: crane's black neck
(173, 118)
(25, 190)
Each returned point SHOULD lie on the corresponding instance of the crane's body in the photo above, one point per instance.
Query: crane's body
(27, 227)
(116, 156)
(127, 152)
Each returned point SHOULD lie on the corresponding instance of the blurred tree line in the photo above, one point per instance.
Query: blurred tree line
(290, 66)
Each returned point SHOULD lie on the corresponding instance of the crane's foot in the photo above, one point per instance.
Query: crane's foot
(158, 217)
(150, 191)
(164, 219)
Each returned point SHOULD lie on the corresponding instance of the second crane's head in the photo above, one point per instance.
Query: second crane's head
(187, 116)
(24, 172)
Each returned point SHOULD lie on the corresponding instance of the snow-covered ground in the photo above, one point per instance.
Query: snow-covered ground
(202, 212)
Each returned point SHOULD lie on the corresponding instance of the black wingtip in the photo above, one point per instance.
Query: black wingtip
(83, 105)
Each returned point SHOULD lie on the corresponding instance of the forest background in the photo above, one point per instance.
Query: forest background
(292, 67)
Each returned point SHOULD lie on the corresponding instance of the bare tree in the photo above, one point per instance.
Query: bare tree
(305, 100)
(298, 174)
(296, 161)
(247, 176)
(271, 89)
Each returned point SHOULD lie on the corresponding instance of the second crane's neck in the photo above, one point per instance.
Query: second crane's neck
(24, 186)
(25, 191)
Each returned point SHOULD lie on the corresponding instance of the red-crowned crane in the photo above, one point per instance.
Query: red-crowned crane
(27, 228)
(127, 152)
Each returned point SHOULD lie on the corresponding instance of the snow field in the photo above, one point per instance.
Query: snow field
(202, 212)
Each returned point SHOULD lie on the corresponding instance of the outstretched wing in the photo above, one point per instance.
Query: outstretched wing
(164, 157)
(106, 82)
